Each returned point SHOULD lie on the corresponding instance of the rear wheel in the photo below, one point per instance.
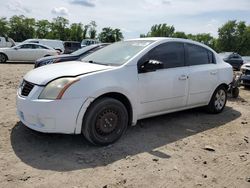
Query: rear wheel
(105, 121)
(3, 58)
(218, 100)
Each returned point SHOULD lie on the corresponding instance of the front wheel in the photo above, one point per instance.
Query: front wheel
(105, 121)
(218, 100)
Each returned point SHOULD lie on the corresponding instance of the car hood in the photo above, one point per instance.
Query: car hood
(43, 75)
(55, 57)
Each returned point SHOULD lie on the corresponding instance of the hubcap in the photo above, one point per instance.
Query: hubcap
(107, 122)
(220, 99)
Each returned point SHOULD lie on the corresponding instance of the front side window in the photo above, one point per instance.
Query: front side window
(197, 55)
(171, 54)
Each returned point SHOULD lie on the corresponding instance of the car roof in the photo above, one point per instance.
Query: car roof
(167, 39)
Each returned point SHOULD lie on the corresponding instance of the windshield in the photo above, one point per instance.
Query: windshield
(83, 50)
(117, 53)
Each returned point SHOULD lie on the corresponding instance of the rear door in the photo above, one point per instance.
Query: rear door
(166, 88)
(203, 74)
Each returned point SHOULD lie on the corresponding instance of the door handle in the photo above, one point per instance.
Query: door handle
(213, 72)
(183, 77)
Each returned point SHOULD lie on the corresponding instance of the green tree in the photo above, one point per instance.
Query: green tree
(4, 28)
(118, 35)
(42, 28)
(110, 35)
(92, 30)
(204, 38)
(85, 31)
(234, 36)
(76, 31)
(59, 29)
(228, 36)
(21, 28)
(161, 30)
(179, 34)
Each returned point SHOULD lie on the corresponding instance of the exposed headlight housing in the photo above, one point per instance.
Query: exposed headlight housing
(55, 89)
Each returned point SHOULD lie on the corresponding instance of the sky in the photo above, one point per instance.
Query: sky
(135, 17)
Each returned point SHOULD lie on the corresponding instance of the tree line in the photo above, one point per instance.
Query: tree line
(233, 36)
(20, 28)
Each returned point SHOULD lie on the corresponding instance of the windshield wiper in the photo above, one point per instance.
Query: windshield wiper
(106, 64)
(94, 62)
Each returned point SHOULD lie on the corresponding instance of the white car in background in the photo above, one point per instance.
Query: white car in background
(56, 44)
(120, 84)
(26, 52)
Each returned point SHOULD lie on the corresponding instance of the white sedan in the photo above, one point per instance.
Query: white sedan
(120, 84)
(26, 52)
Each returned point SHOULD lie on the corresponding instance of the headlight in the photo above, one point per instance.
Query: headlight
(55, 89)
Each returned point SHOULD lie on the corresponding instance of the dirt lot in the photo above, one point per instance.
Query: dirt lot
(165, 151)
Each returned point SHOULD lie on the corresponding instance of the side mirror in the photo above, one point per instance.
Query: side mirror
(16, 48)
(151, 66)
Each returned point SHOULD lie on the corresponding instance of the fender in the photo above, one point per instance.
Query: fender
(89, 100)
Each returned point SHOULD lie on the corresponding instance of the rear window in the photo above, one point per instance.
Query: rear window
(197, 55)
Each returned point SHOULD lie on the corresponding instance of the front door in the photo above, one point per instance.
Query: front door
(165, 88)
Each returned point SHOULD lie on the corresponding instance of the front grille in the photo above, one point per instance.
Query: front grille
(26, 88)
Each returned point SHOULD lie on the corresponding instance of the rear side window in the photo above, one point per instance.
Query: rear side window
(171, 54)
(197, 55)
(41, 47)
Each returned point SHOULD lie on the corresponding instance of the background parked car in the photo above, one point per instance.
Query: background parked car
(245, 77)
(26, 52)
(77, 55)
(56, 44)
(246, 59)
(87, 42)
(233, 59)
(6, 42)
(71, 46)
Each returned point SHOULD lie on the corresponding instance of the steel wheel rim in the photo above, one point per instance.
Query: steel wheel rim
(107, 122)
(220, 99)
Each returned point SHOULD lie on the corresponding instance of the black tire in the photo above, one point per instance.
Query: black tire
(3, 58)
(235, 92)
(105, 121)
(215, 105)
